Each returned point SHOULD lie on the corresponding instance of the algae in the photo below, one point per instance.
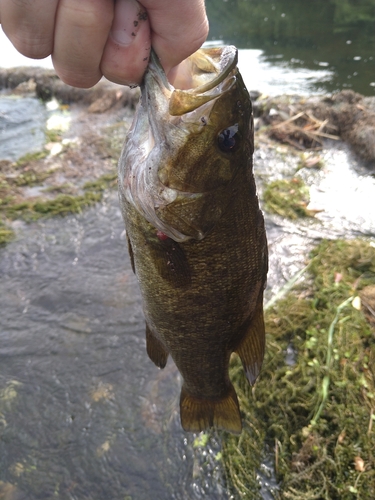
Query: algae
(317, 414)
(6, 234)
(288, 198)
(31, 177)
(62, 204)
(29, 157)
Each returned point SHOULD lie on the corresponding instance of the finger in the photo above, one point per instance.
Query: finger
(81, 32)
(127, 50)
(178, 29)
(29, 25)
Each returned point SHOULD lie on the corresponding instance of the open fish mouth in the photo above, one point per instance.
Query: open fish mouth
(212, 74)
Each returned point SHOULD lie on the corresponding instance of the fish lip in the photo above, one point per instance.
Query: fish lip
(180, 102)
(228, 61)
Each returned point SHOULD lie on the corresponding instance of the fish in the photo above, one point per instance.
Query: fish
(195, 231)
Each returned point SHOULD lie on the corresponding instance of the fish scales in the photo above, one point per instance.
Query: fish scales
(195, 232)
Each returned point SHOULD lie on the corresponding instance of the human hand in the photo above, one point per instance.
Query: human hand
(91, 38)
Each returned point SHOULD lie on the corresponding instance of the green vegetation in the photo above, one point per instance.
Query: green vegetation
(53, 135)
(31, 170)
(31, 178)
(29, 157)
(6, 234)
(62, 204)
(288, 198)
(316, 413)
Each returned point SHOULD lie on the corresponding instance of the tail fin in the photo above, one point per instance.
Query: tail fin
(199, 414)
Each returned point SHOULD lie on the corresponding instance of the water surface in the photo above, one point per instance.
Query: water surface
(335, 38)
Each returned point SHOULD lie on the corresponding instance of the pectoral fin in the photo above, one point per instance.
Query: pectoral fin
(155, 349)
(251, 349)
(199, 414)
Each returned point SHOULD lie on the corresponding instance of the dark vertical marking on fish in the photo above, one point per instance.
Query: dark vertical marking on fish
(155, 349)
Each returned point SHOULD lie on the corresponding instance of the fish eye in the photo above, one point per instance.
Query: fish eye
(228, 139)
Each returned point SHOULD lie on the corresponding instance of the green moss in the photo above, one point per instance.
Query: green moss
(53, 135)
(31, 178)
(66, 188)
(63, 204)
(288, 198)
(317, 414)
(29, 157)
(62, 200)
(6, 234)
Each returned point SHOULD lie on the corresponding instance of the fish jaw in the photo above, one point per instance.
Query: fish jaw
(152, 177)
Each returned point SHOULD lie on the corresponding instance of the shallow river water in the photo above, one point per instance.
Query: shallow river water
(83, 412)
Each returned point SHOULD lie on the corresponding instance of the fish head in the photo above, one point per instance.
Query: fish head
(186, 145)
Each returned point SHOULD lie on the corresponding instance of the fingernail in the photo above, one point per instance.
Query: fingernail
(128, 16)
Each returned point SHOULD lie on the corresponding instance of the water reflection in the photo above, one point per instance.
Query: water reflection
(321, 34)
(275, 79)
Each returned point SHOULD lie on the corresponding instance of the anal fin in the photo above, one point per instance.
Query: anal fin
(155, 349)
(198, 414)
(251, 348)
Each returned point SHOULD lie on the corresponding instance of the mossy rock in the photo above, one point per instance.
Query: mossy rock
(287, 198)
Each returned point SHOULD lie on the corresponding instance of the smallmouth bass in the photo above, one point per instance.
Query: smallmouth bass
(195, 232)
